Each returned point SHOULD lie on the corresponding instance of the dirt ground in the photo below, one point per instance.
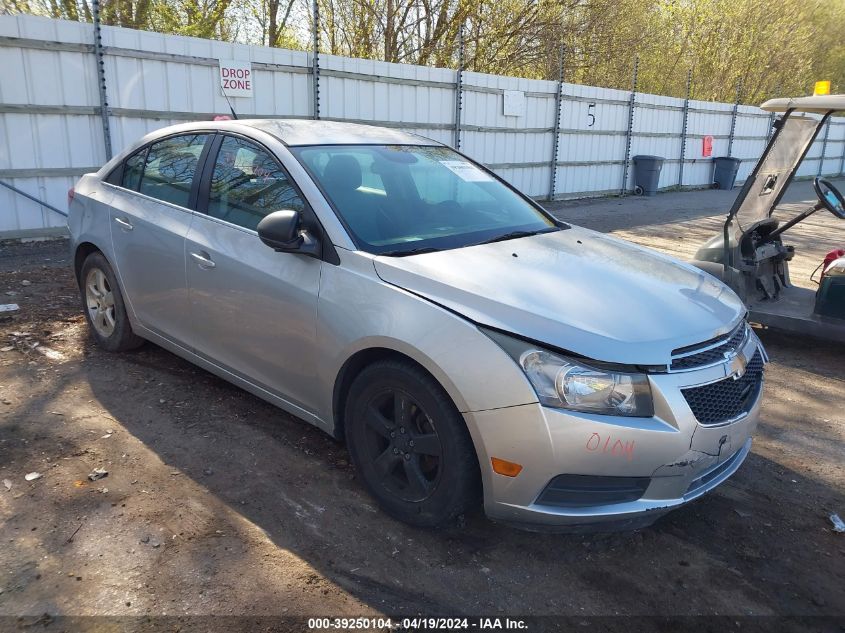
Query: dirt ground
(216, 503)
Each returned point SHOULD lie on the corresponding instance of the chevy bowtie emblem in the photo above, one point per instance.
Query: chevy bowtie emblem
(736, 365)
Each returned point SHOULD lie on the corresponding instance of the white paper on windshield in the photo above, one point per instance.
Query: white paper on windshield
(466, 171)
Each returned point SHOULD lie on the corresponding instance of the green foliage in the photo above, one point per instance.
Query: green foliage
(753, 48)
(761, 49)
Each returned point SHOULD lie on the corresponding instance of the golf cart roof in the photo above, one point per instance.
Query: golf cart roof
(820, 104)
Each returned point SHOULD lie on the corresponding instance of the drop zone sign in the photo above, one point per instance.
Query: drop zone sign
(236, 78)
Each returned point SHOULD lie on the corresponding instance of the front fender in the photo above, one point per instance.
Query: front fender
(359, 311)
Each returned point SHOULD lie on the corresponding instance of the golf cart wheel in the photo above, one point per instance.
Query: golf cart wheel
(410, 445)
(103, 306)
(714, 185)
(638, 190)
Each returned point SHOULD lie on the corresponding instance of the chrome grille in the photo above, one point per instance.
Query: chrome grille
(726, 399)
(709, 352)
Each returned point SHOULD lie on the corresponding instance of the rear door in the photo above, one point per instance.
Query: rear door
(253, 310)
(150, 216)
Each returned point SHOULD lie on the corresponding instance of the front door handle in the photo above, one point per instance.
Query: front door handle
(124, 224)
(203, 259)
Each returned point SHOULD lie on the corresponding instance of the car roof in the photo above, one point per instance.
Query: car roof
(294, 132)
(291, 132)
(819, 104)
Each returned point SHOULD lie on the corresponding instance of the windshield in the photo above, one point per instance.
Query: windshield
(406, 199)
(775, 171)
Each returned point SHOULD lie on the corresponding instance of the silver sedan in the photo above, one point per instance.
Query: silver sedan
(397, 295)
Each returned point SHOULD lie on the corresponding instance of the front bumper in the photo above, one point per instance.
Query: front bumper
(671, 455)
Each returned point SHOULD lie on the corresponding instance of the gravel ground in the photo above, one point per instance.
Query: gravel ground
(216, 503)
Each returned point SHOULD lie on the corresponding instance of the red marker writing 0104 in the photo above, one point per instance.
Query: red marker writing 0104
(607, 445)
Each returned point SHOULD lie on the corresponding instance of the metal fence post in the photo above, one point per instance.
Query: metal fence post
(824, 148)
(684, 131)
(556, 127)
(459, 88)
(772, 117)
(629, 133)
(734, 114)
(315, 63)
(101, 79)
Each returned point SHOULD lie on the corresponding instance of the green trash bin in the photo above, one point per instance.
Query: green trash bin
(647, 174)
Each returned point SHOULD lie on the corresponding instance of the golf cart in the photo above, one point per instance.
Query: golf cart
(750, 255)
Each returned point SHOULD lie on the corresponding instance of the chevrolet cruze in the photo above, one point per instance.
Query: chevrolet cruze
(397, 295)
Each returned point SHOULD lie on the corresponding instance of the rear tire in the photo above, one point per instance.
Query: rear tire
(410, 445)
(103, 306)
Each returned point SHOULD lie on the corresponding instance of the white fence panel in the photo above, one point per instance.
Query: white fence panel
(706, 118)
(658, 122)
(592, 144)
(835, 150)
(51, 129)
(503, 141)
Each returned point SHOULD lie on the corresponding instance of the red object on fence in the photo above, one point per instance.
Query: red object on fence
(707, 146)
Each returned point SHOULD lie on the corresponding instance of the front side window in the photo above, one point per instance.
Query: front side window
(170, 167)
(248, 184)
(400, 199)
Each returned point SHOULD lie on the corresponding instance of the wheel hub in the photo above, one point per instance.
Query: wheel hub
(404, 446)
(402, 443)
(99, 300)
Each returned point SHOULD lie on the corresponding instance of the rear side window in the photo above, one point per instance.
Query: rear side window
(132, 170)
(168, 172)
(248, 183)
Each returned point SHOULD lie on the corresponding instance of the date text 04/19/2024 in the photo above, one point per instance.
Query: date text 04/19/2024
(417, 624)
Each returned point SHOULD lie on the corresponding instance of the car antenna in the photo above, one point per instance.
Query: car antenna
(231, 109)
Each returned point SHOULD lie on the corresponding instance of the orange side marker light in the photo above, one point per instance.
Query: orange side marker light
(504, 467)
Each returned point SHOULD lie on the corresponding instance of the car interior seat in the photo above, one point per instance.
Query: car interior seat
(343, 177)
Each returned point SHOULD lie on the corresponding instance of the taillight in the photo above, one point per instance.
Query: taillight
(70, 194)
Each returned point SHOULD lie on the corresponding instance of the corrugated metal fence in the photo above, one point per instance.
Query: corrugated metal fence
(51, 124)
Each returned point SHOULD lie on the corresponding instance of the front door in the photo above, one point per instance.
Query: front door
(149, 220)
(254, 311)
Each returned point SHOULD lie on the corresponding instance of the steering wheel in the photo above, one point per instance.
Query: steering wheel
(830, 197)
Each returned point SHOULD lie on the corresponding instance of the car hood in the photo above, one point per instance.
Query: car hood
(580, 291)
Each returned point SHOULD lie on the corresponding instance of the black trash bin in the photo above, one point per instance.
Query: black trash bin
(724, 172)
(647, 174)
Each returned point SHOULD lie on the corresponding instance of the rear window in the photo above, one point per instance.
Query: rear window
(132, 170)
(169, 170)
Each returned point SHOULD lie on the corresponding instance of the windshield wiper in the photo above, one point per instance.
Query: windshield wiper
(516, 234)
(413, 251)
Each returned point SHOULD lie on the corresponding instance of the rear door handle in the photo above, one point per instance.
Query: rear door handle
(204, 260)
(124, 224)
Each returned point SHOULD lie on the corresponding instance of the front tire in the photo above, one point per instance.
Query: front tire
(103, 305)
(410, 444)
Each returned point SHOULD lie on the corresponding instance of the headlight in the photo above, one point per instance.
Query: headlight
(571, 384)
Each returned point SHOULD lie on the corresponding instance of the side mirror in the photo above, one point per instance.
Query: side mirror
(280, 231)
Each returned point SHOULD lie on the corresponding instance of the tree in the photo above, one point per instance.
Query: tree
(765, 48)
